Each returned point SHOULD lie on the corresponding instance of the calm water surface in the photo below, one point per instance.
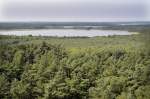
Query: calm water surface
(63, 32)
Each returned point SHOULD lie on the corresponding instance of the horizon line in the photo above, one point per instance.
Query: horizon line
(67, 21)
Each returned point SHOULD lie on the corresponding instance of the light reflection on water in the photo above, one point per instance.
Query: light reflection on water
(64, 32)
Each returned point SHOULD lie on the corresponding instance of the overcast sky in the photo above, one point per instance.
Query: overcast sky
(75, 10)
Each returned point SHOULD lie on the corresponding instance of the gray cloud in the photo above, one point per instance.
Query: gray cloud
(80, 10)
(74, 10)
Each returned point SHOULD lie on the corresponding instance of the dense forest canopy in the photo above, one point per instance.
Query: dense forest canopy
(113, 67)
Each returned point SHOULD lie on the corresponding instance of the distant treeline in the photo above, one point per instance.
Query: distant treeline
(131, 26)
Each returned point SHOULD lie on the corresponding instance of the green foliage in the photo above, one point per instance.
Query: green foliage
(46, 71)
(4, 87)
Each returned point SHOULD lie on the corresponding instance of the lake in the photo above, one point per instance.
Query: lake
(64, 32)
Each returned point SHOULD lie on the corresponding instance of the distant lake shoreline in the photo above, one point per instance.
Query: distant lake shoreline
(64, 32)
